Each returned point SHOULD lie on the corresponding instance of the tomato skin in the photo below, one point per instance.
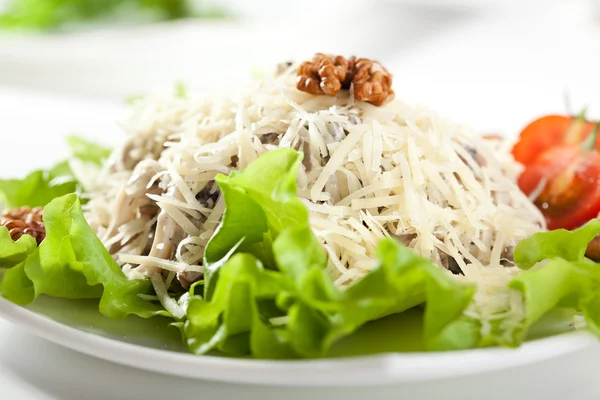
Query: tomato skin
(547, 132)
(571, 195)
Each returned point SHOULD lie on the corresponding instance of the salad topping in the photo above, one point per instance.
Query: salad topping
(24, 221)
(564, 182)
(328, 74)
(549, 131)
(561, 174)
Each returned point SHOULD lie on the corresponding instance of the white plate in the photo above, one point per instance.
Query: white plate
(152, 345)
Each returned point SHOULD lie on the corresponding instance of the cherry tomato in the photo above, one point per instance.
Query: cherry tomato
(547, 132)
(569, 179)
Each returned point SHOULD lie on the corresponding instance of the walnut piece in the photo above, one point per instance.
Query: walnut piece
(327, 74)
(593, 249)
(372, 82)
(24, 221)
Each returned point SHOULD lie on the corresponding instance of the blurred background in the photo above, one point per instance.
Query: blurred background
(491, 64)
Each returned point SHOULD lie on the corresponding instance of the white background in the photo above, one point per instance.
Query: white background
(494, 66)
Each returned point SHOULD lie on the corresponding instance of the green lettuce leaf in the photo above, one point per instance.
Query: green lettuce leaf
(266, 266)
(258, 203)
(42, 186)
(557, 283)
(50, 15)
(558, 275)
(85, 150)
(560, 243)
(232, 322)
(38, 188)
(401, 281)
(181, 90)
(73, 263)
(12, 253)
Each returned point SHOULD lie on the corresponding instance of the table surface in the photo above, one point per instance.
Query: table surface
(495, 73)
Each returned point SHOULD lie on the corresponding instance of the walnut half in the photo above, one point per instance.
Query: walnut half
(372, 82)
(327, 74)
(24, 221)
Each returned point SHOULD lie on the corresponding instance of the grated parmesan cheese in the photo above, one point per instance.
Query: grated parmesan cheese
(368, 172)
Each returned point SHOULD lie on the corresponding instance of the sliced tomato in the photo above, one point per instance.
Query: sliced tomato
(568, 181)
(547, 132)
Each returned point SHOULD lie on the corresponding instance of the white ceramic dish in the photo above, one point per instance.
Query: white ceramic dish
(149, 345)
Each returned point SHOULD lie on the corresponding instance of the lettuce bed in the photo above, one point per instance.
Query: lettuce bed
(265, 291)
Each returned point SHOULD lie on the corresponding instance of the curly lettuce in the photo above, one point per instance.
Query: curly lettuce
(42, 186)
(13, 252)
(559, 275)
(70, 263)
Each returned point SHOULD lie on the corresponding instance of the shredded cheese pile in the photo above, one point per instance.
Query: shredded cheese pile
(368, 172)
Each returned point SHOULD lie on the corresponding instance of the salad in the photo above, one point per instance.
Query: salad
(276, 221)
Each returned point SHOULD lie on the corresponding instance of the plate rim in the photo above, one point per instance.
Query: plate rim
(385, 368)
